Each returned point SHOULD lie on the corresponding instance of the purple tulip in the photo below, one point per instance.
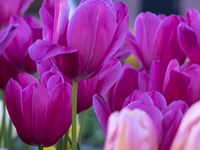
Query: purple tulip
(172, 116)
(41, 112)
(150, 102)
(152, 80)
(99, 84)
(87, 41)
(189, 36)
(11, 8)
(156, 39)
(177, 82)
(182, 82)
(126, 84)
(27, 31)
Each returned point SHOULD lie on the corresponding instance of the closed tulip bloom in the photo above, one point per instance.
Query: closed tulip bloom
(131, 130)
(40, 112)
(94, 33)
(156, 38)
(11, 8)
(182, 82)
(189, 35)
(187, 136)
(172, 116)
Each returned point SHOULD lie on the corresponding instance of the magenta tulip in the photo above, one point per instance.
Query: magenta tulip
(40, 112)
(189, 36)
(27, 31)
(87, 41)
(156, 38)
(182, 82)
(172, 116)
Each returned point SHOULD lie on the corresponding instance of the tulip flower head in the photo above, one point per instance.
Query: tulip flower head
(131, 130)
(93, 34)
(40, 112)
(187, 136)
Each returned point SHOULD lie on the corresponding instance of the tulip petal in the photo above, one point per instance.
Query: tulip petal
(189, 42)
(146, 25)
(60, 98)
(86, 89)
(131, 130)
(108, 76)
(102, 111)
(128, 79)
(54, 16)
(158, 99)
(122, 28)
(188, 132)
(193, 20)
(6, 35)
(167, 32)
(26, 79)
(42, 50)
(157, 74)
(98, 22)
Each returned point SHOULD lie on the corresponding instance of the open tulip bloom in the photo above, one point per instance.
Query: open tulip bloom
(78, 62)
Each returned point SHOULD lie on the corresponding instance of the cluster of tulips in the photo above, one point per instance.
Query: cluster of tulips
(57, 68)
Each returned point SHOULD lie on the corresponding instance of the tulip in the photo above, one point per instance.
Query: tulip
(131, 130)
(40, 112)
(11, 8)
(150, 102)
(188, 133)
(188, 34)
(99, 84)
(156, 39)
(172, 116)
(175, 83)
(182, 82)
(118, 93)
(84, 43)
(152, 79)
(27, 31)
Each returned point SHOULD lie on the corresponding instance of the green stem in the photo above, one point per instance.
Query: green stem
(60, 144)
(9, 137)
(74, 110)
(3, 134)
(27, 147)
(40, 148)
(65, 141)
(83, 119)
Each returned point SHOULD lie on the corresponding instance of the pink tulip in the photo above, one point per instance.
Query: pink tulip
(131, 130)
(188, 134)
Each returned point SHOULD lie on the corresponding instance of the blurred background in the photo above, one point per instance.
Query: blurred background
(166, 7)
